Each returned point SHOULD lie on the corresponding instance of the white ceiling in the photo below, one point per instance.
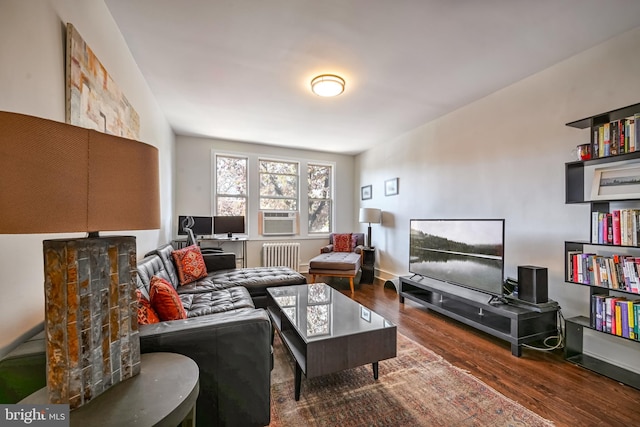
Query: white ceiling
(240, 69)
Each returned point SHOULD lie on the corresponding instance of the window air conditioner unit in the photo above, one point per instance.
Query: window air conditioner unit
(279, 223)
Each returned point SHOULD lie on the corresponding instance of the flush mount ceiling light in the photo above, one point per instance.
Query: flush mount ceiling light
(327, 85)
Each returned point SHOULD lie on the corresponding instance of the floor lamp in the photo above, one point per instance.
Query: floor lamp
(59, 178)
(371, 216)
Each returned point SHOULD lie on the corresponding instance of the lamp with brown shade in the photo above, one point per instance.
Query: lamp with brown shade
(59, 178)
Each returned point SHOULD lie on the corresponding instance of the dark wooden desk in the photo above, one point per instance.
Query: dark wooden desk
(163, 394)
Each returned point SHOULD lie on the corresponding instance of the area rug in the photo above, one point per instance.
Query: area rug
(417, 388)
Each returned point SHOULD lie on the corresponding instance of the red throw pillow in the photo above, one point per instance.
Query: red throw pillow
(146, 313)
(190, 264)
(165, 300)
(342, 243)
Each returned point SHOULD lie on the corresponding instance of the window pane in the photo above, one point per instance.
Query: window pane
(231, 175)
(231, 206)
(320, 192)
(278, 204)
(319, 182)
(320, 216)
(278, 185)
(231, 185)
(267, 166)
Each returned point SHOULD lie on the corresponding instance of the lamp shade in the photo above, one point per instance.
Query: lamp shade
(58, 178)
(370, 215)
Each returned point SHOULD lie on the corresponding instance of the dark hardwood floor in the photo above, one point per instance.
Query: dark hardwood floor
(559, 391)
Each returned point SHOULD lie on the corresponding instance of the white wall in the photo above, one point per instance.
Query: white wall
(503, 156)
(194, 188)
(32, 81)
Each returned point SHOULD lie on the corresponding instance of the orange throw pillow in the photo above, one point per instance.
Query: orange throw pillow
(146, 313)
(342, 243)
(190, 264)
(165, 300)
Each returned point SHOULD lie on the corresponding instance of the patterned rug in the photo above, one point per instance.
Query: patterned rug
(417, 388)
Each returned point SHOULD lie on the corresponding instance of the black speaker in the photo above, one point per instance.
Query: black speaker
(532, 284)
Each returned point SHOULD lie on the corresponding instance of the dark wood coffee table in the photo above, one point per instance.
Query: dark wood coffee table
(326, 332)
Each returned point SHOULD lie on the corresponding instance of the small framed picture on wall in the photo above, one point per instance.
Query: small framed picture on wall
(365, 192)
(391, 187)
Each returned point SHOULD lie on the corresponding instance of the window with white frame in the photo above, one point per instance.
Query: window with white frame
(279, 183)
(320, 189)
(231, 185)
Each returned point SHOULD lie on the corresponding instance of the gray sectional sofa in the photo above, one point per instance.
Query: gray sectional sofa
(226, 333)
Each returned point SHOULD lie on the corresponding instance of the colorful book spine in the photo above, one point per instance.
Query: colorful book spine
(597, 306)
(631, 320)
(594, 226)
(624, 318)
(636, 319)
(617, 320)
(636, 118)
(632, 135)
(617, 237)
(608, 324)
(621, 148)
(615, 137)
(606, 132)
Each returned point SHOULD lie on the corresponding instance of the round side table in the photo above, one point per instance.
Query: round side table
(164, 393)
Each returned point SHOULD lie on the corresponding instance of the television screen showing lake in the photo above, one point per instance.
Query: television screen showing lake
(462, 269)
(463, 252)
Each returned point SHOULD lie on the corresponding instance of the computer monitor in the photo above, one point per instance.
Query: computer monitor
(200, 225)
(228, 225)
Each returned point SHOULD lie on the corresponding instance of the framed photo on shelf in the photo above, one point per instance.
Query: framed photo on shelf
(391, 187)
(365, 192)
(616, 183)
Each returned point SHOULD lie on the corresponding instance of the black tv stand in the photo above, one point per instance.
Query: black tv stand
(517, 325)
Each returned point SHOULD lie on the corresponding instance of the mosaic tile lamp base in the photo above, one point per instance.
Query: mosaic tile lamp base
(91, 316)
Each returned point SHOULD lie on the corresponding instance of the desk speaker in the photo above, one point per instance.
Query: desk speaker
(532, 284)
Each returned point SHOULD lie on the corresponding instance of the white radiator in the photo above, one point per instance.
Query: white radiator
(278, 254)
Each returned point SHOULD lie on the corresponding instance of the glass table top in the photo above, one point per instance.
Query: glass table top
(318, 312)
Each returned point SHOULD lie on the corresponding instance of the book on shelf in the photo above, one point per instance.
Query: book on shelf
(636, 319)
(624, 318)
(616, 315)
(606, 136)
(618, 320)
(618, 272)
(632, 135)
(621, 227)
(597, 308)
(610, 314)
(617, 237)
(636, 119)
(616, 137)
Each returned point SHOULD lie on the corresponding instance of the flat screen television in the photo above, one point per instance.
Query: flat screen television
(464, 252)
(228, 225)
(200, 225)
